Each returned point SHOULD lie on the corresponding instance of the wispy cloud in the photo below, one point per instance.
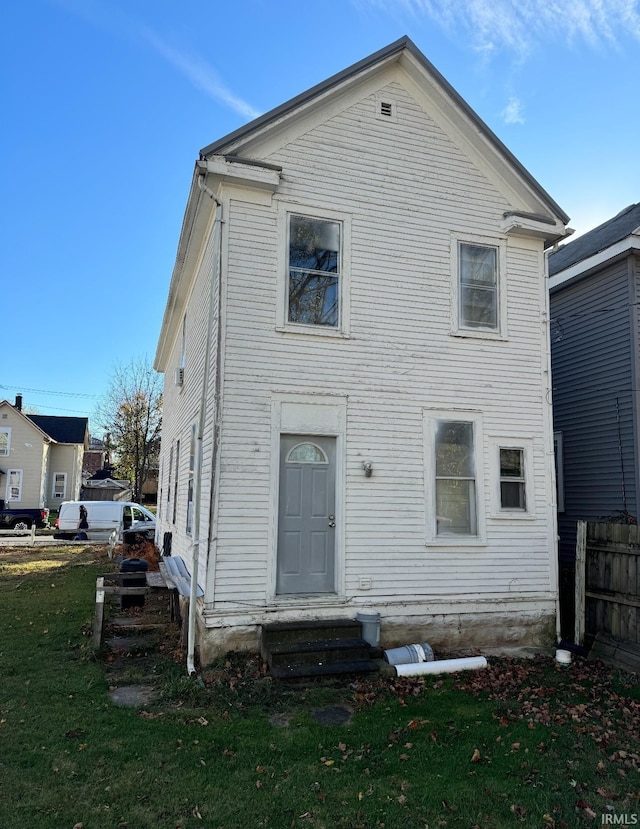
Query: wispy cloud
(513, 112)
(200, 73)
(492, 24)
(192, 66)
(514, 29)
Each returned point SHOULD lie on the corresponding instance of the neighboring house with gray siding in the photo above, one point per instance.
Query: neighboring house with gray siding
(595, 344)
(357, 389)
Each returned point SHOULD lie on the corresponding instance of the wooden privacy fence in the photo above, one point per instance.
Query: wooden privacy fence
(607, 582)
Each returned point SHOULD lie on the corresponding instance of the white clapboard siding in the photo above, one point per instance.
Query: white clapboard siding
(407, 192)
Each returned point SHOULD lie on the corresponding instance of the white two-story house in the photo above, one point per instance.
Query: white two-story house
(355, 346)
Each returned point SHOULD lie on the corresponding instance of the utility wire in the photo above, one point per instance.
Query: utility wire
(46, 391)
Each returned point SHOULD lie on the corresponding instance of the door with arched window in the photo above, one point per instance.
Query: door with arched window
(306, 515)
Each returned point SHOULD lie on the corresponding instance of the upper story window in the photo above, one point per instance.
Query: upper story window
(5, 441)
(314, 271)
(478, 287)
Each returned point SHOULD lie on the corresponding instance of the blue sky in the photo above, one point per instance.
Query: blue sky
(106, 103)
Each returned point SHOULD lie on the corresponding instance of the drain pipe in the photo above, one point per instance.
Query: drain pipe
(548, 415)
(195, 561)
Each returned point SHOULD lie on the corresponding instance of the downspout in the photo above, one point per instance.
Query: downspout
(195, 561)
(551, 460)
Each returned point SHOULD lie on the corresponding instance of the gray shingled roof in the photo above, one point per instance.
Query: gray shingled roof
(596, 240)
(62, 429)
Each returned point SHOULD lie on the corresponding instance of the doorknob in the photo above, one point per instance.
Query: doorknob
(332, 522)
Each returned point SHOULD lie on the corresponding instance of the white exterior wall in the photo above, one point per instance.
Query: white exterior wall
(182, 408)
(406, 192)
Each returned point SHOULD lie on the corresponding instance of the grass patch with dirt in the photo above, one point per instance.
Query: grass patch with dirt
(524, 743)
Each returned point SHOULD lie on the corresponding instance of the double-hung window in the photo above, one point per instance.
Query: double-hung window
(513, 494)
(512, 480)
(190, 481)
(314, 271)
(478, 287)
(59, 486)
(455, 478)
(5, 442)
(14, 485)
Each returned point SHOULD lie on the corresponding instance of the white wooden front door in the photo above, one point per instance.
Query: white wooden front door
(306, 515)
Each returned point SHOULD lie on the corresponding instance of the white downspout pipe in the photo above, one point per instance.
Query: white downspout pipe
(195, 561)
(551, 464)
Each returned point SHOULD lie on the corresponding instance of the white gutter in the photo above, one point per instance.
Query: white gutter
(195, 561)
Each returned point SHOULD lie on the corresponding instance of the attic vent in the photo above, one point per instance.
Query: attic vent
(386, 108)
(179, 376)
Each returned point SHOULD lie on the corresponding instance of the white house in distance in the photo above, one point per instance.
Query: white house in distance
(356, 356)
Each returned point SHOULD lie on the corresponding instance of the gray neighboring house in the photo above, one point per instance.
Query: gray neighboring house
(594, 284)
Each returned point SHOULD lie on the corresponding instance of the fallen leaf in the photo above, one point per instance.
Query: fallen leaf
(606, 794)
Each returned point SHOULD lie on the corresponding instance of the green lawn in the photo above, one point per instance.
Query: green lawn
(521, 744)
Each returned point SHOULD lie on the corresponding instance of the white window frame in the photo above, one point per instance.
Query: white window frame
(457, 326)
(7, 431)
(431, 418)
(190, 479)
(525, 445)
(282, 319)
(8, 499)
(54, 494)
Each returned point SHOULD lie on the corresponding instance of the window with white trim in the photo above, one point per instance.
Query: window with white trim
(314, 263)
(192, 465)
(478, 306)
(513, 492)
(511, 475)
(169, 488)
(478, 286)
(455, 479)
(175, 485)
(59, 486)
(5, 441)
(14, 485)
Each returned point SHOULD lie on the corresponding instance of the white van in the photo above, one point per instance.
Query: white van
(126, 518)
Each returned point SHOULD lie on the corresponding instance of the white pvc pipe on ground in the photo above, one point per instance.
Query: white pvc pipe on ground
(442, 666)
